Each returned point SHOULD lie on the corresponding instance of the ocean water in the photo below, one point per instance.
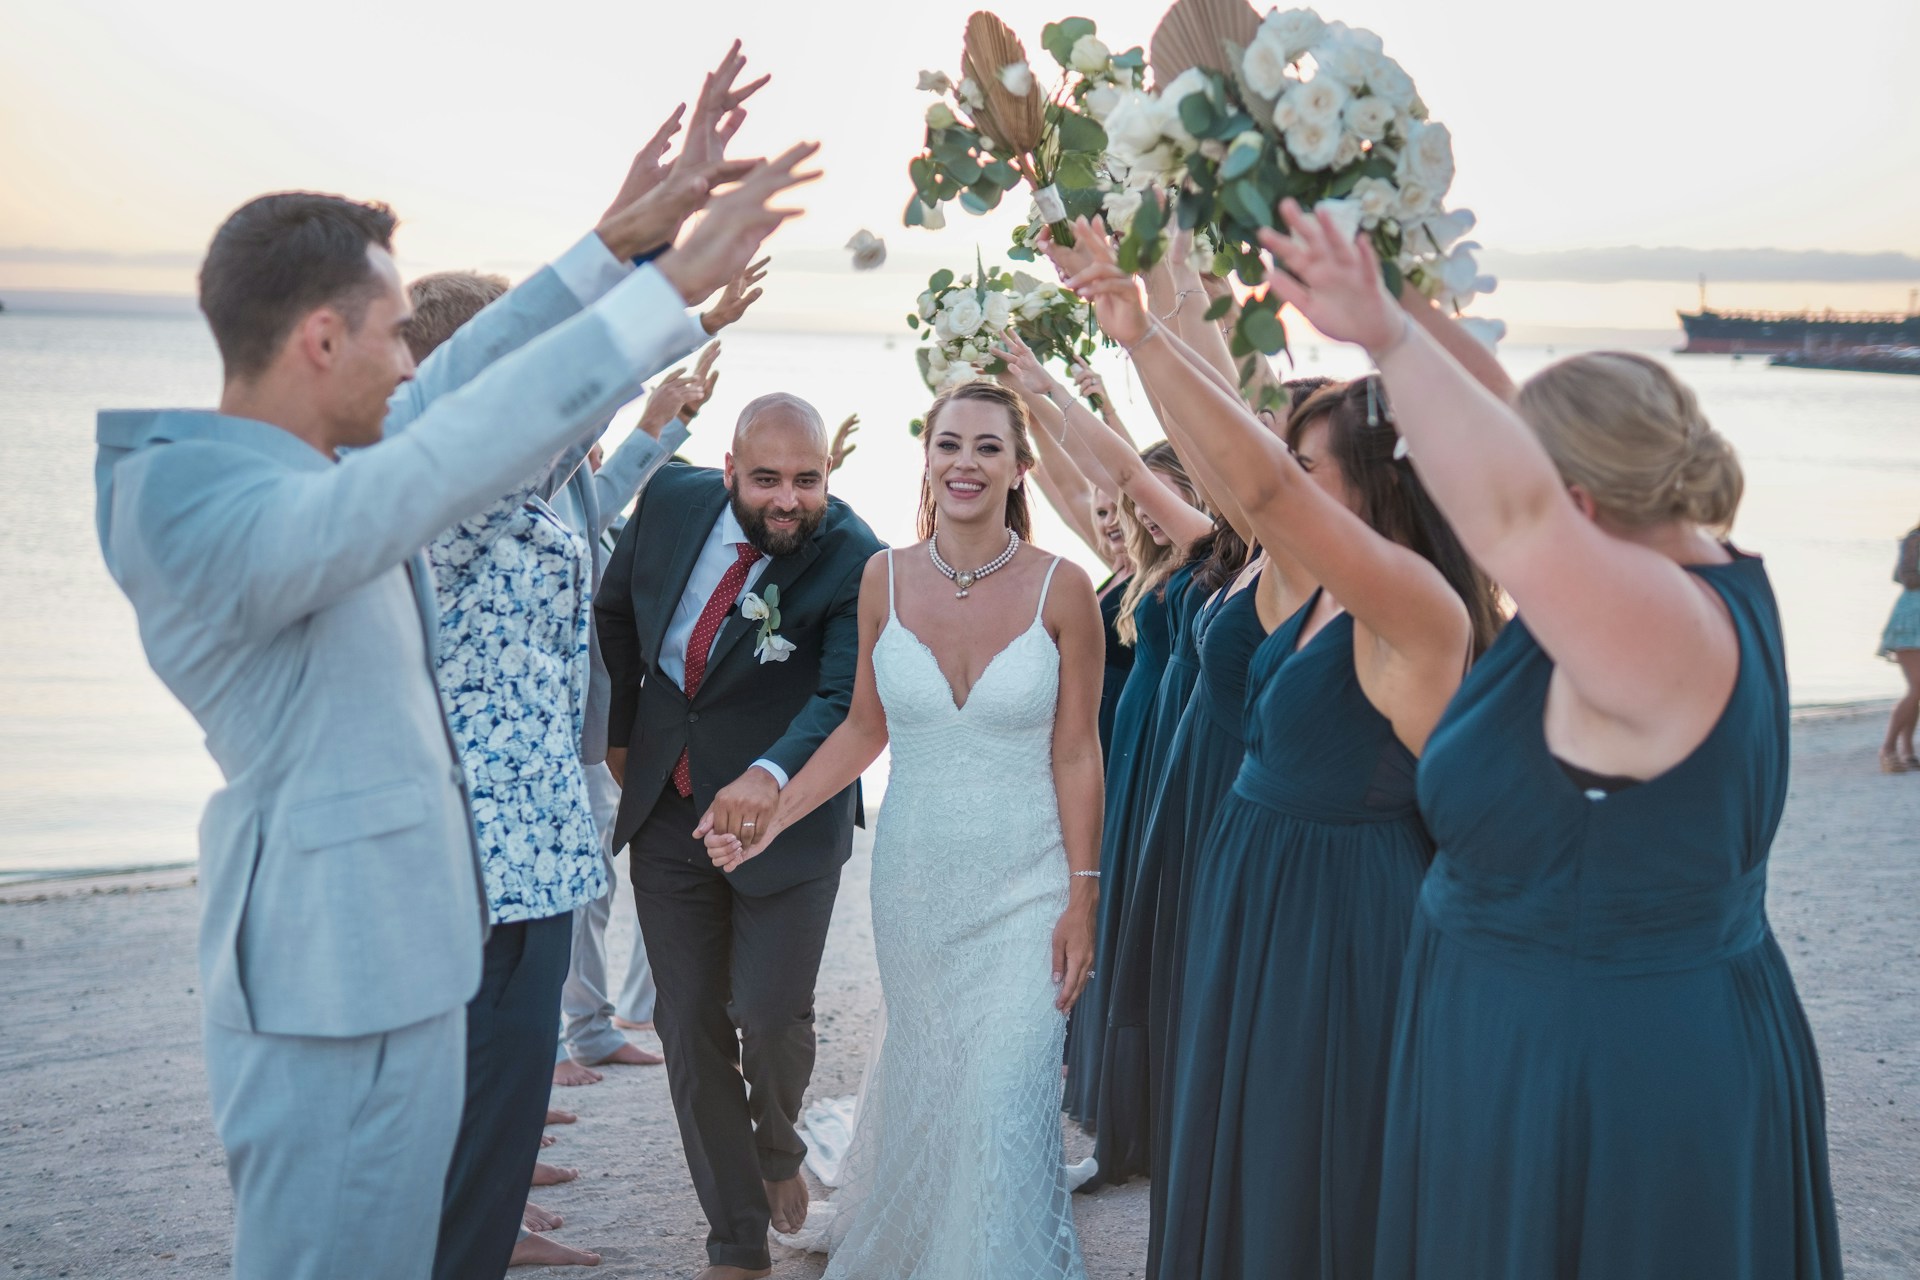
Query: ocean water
(101, 769)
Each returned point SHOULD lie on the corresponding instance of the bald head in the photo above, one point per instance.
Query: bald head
(777, 472)
(781, 412)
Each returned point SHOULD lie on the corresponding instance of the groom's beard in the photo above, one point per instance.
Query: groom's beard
(771, 541)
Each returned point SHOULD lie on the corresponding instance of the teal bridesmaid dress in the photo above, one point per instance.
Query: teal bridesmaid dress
(1302, 899)
(1601, 1067)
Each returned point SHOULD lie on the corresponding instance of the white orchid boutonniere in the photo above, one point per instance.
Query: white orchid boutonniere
(769, 645)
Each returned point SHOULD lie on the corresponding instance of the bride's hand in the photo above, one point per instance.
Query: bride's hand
(1072, 953)
(726, 850)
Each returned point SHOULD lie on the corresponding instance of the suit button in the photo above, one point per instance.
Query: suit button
(693, 717)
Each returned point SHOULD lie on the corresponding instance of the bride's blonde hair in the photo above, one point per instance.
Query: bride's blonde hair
(1019, 516)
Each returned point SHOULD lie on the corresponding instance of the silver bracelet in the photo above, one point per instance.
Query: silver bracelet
(1094, 874)
(1154, 330)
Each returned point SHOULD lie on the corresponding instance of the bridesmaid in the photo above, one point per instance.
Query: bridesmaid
(1601, 1067)
(1106, 524)
(1312, 864)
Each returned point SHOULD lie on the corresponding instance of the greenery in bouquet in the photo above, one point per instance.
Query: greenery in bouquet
(1305, 108)
(994, 130)
(960, 319)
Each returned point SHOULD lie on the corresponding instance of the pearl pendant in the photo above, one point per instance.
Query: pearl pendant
(964, 581)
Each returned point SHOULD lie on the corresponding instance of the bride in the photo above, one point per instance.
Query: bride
(981, 658)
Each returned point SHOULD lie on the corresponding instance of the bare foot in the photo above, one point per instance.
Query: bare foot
(534, 1218)
(547, 1140)
(787, 1203)
(569, 1073)
(538, 1251)
(630, 1055)
(556, 1116)
(624, 1025)
(551, 1175)
(731, 1273)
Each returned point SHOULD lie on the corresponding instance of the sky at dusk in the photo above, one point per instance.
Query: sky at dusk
(1612, 154)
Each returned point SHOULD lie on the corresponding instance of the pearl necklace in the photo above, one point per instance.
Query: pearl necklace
(964, 579)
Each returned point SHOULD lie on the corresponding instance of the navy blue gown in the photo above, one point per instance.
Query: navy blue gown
(1119, 660)
(1086, 1030)
(1124, 1105)
(1601, 1067)
(1306, 884)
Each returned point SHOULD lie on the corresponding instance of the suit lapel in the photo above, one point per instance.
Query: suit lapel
(781, 573)
(421, 578)
(702, 510)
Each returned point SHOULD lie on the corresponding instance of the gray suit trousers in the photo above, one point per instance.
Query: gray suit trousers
(588, 1003)
(337, 1148)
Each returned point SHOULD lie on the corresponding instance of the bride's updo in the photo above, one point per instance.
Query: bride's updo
(1019, 517)
(1623, 428)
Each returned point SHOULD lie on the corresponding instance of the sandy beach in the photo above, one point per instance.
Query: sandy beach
(113, 1169)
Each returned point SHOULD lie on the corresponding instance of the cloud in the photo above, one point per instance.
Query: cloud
(1611, 266)
(97, 257)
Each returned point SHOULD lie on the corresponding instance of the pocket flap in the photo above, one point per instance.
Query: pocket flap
(356, 815)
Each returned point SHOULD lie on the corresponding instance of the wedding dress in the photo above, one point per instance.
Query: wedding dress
(954, 1171)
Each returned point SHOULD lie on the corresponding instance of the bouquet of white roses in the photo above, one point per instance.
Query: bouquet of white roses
(1310, 109)
(993, 129)
(960, 320)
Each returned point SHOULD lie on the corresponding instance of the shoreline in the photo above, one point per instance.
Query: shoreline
(34, 885)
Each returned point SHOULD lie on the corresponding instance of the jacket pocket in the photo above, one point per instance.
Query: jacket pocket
(356, 815)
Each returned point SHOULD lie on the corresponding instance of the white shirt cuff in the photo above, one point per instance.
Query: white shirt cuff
(649, 322)
(589, 269)
(779, 774)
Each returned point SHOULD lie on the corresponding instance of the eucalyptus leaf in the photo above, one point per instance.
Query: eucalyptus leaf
(940, 279)
(973, 202)
(772, 594)
(1197, 114)
(1080, 133)
(1220, 306)
(1239, 163)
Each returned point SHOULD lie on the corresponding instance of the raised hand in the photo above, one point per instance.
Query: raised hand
(705, 379)
(644, 174)
(736, 225)
(1024, 370)
(843, 446)
(1091, 270)
(1090, 384)
(741, 292)
(1335, 280)
(655, 218)
(717, 113)
(666, 400)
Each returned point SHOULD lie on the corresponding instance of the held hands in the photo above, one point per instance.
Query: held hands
(843, 446)
(1334, 282)
(735, 298)
(741, 823)
(736, 225)
(1073, 951)
(1091, 270)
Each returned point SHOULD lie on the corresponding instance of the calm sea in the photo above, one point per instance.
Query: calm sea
(100, 768)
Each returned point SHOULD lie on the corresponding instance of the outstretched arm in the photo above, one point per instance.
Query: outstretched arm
(836, 761)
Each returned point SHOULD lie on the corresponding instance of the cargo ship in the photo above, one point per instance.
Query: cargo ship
(1805, 333)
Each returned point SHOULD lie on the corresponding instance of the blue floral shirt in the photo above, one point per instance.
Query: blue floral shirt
(515, 608)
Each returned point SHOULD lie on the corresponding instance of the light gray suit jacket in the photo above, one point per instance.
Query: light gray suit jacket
(283, 599)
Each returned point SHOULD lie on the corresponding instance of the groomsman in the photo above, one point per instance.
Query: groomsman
(281, 596)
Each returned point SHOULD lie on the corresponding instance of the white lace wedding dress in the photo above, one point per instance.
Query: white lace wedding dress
(954, 1172)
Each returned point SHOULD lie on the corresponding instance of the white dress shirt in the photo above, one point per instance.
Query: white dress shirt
(717, 555)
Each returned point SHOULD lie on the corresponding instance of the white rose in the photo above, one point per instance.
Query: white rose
(1286, 112)
(1160, 167)
(1313, 145)
(869, 250)
(1350, 150)
(1378, 199)
(1294, 31)
(1358, 37)
(1387, 79)
(1320, 100)
(1429, 157)
(963, 314)
(754, 609)
(1263, 67)
(1035, 304)
(1486, 332)
(1017, 79)
(971, 94)
(1120, 208)
(1417, 200)
(1101, 102)
(969, 352)
(999, 310)
(772, 648)
(1370, 117)
(1346, 215)
(1339, 58)
(940, 116)
(1089, 56)
(935, 82)
(1133, 128)
(1184, 86)
(934, 218)
(954, 375)
(927, 304)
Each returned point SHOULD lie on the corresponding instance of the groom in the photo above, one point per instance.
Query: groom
(716, 703)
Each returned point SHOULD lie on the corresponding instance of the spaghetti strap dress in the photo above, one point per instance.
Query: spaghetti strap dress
(1306, 883)
(1601, 1067)
(1119, 660)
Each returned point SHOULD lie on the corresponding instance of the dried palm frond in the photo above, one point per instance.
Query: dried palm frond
(1015, 121)
(1200, 33)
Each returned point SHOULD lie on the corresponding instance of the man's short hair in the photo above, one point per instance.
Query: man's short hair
(444, 301)
(278, 258)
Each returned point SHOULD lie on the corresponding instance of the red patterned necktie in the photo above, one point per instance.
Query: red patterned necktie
(700, 644)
